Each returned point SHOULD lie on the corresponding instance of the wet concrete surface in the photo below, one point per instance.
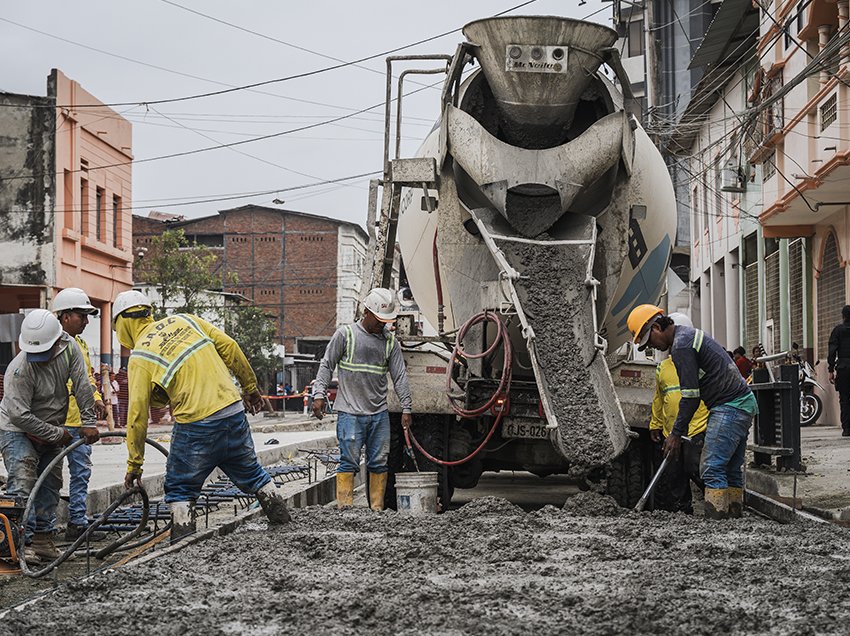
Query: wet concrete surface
(485, 568)
(518, 554)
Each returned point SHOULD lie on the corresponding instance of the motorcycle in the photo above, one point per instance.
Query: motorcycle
(811, 406)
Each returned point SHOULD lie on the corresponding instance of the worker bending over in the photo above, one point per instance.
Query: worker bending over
(73, 308)
(364, 352)
(707, 373)
(665, 407)
(35, 401)
(186, 361)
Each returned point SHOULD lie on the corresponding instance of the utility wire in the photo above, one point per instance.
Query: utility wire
(265, 82)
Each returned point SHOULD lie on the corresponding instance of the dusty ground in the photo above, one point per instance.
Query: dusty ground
(486, 568)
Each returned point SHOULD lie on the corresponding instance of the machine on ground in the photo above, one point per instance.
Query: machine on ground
(536, 215)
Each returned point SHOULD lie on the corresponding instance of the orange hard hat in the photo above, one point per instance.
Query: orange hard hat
(640, 321)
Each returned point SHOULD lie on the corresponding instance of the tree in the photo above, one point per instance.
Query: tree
(181, 273)
(253, 329)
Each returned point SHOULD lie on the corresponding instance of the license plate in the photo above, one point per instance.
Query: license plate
(526, 429)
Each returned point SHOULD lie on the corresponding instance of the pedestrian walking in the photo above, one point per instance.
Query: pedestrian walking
(838, 360)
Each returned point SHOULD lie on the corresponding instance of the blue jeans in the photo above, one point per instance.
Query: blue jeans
(79, 467)
(198, 448)
(355, 431)
(725, 445)
(25, 462)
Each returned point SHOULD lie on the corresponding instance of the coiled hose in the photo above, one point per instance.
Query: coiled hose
(502, 339)
(118, 544)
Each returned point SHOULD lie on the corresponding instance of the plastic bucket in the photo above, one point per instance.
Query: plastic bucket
(416, 493)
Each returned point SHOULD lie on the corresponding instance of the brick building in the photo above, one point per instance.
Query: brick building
(65, 200)
(304, 269)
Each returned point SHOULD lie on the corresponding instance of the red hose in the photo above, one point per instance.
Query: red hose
(503, 389)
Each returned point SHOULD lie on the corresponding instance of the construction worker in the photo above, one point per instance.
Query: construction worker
(838, 360)
(32, 414)
(364, 352)
(706, 372)
(188, 362)
(665, 407)
(73, 308)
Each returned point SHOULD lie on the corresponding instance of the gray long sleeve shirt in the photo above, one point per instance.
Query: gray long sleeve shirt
(363, 360)
(35, 396)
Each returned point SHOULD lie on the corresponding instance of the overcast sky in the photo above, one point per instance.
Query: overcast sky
(139, 52)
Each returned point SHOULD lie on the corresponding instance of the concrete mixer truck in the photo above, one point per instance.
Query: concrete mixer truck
(535, 216)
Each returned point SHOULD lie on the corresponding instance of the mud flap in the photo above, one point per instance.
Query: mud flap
(552, 290)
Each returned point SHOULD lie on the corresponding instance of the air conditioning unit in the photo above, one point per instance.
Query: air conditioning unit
(732, 177)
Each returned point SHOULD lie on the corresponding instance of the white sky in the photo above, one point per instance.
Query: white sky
(157, 50)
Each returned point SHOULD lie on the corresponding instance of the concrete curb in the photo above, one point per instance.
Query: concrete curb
(100, 498)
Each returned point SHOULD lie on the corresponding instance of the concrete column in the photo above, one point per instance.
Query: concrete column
(823, 38)
(808, 299)
(742, 297)
(106, 333)
(843, 14)
(784, 297)
(733, 317)
(705, 305)
(762, 285)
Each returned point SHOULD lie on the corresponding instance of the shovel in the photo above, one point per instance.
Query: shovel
(646, 493)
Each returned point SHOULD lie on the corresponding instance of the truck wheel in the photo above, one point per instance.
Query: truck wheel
(431, 432)
(625, 476)
(396, 459)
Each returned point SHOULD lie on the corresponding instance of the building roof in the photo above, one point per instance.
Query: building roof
(728, 38)
(180, 221)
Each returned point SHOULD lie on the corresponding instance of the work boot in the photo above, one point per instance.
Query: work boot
(30, 556)
(43, 547)
(377, 490)
(273, 503)
(344, 490)
(75, 530)
(736, 503)
(716, 503)
(182, 519)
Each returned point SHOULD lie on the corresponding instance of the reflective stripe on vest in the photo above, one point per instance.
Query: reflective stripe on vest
(170, 367)
(347, 363)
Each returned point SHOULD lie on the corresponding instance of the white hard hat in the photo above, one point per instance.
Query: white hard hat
(126, 300)
(381, 302)
(74, 299)
(39, 332)
(680, 319)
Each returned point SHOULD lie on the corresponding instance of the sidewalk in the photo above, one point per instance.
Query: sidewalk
(825, 484)
(109, 457)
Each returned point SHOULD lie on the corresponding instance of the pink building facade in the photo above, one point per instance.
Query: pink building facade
(65, 197)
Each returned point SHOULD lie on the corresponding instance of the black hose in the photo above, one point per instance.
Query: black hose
(100, 554)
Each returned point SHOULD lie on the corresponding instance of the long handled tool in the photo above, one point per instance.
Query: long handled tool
(646, 493)
(410, 449)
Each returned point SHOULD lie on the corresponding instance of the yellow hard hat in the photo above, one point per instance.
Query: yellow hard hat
(640, 321)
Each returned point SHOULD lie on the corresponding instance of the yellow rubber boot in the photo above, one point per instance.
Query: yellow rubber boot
(377, 490)
(716, 503)
(344, 490)
(736, 503)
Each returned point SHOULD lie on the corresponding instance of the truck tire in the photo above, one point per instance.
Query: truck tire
(432, 433)
(396, 459)
(625, 476)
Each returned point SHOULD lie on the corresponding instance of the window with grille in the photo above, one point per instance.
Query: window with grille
(828, 112)
(795, 278)
(769, 166)
(831, 293)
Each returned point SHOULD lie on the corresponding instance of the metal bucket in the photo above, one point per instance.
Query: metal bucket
(416, 493)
